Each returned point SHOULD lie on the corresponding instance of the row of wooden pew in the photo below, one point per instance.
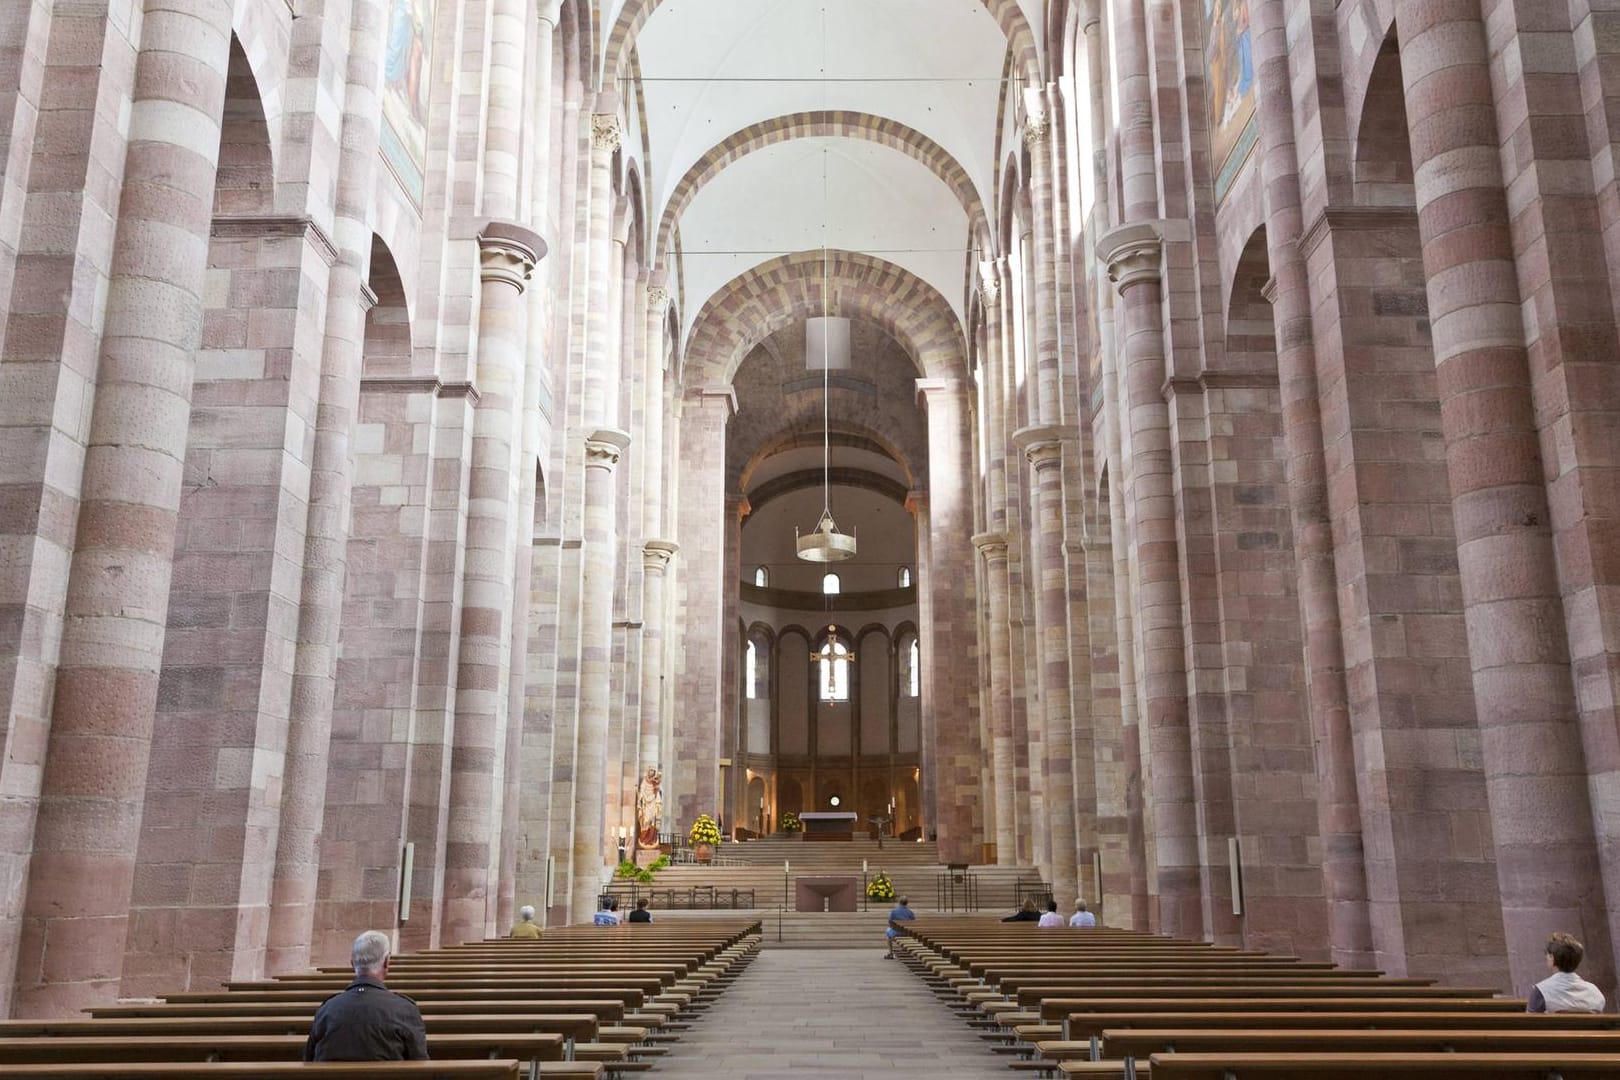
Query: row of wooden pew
(577, 1004)
(1105, 1004)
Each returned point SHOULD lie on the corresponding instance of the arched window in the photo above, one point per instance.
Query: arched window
(762, 576)
(751, 671)
(830, 585)
(833, 675)
(905, 577)
(914, 676)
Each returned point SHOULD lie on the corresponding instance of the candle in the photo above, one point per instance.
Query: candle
(863, 866)
(785, 865)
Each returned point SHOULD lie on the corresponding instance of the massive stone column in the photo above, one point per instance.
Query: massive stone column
(309, 729)
(993, 547)
(948, 675)
(54, 236)
(1338, 804)
(656, 552)
(118, 585)
(1546, 855)
(1043, 446)
(507, 255)
(591, 844)
(696, 751)
(599, 532)
(1132, 253)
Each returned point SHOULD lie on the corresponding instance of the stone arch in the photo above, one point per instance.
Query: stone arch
(1382, 162)
(835, 123)
(1251, 329)
(247, 171)
(386, 350)
(756, 304)
(848, 434)
(1021, 44)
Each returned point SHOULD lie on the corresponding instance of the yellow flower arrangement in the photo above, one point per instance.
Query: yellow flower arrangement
(791, 822)
(880, 887)
(704, 831)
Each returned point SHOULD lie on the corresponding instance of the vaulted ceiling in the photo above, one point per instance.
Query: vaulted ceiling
(747, 165)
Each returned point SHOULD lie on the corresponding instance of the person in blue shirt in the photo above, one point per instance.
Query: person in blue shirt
(901, 913)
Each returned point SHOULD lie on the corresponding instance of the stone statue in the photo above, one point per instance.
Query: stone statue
(649, 809)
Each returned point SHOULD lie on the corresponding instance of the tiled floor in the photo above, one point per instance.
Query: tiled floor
(845, 1013)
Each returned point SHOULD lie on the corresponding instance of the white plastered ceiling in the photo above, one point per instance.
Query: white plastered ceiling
(711, 68)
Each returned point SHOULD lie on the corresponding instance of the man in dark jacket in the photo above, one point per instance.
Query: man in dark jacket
(368, 1021)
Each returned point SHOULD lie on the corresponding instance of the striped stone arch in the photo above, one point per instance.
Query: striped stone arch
(1008, 15)
(755, 305)
(827, 124)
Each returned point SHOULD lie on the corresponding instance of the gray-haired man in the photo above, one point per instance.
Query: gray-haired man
(368, 1021)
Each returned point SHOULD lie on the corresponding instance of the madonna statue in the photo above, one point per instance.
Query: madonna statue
(649, 809)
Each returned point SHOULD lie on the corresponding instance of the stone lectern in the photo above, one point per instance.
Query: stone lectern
(825, 893)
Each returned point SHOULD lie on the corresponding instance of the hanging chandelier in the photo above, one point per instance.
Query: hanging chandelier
(824, 543)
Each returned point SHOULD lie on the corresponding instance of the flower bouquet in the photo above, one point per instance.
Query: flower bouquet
(704, 835)
(880, 888)
(791, 822)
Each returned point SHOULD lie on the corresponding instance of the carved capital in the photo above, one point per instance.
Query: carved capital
(602, 448)
(605, 132)
(656, 554)
(507, 253)
(658, 300)
(1042, 444)
(1134, 254)
(989, 281)
(993, 546)
(1037, 117)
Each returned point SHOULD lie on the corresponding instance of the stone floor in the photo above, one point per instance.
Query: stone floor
(845, 1013)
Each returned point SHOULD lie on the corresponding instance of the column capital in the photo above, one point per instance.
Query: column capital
(549, 11)
(930, 390)
(606, 134)
(656, 554)
(1042, 444)
(1037, 117)
(1133, 254)
(603, 447)
(707, 396)
(1268, 291)
(368, 297)
(989, 282)
(507, 253)
(916, 503)
(658, 300)
(992, 545)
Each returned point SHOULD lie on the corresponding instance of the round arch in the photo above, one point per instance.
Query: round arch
(827, 124)
(1021, 43)
(754, 305)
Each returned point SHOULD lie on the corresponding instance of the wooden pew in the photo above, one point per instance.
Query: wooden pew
(1381, 1066)
(270, 1070)
(1144, 1042)
(528, 1049)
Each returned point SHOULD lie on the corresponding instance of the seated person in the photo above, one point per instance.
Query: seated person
(1026, 913)
(1563, 990)
(609, 915)
(367, 1021)
(641, 914)
(902, 913)
(1081, 916)
(1051, 916)
(526, 926)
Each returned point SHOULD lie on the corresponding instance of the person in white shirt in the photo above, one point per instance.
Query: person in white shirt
(1051, 918)
(1081, 916)
(1563, 990)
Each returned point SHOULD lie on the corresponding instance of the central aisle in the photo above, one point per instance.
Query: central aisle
(845, 1013)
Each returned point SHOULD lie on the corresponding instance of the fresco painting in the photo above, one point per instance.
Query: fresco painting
(1229, 52)
(407, 64)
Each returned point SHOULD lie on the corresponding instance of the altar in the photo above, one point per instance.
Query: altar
(825, 893)
(828, 825)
